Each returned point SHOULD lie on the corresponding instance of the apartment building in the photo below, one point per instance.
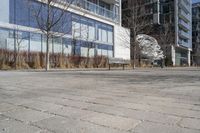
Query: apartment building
(100, 19)
(196, 33)
(171, 24)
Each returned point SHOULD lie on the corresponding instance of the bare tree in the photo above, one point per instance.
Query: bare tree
(138, 22)
(19, 38)
(90, 45)
(51, 16)
(165, 36)
(165, 39)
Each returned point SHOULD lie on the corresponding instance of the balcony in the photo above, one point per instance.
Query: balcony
(184, 25)
(183, 43)
(185, 16)
(110, 1)
(184, 35)
(185, 5)
(98, 10)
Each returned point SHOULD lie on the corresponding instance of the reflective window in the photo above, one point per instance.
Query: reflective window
(4, 11)
(81, 28)
(6, 39)
(57, 45)
(91, 29)
(22, 40)
(66, 45)
(19, 12)
(36, 42)
(76, 25)
(84, 29)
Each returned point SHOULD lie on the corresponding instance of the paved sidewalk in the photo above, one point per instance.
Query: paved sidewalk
(139, 101)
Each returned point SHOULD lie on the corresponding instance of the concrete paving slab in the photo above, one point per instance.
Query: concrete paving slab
(67, 125)
(71, 112)
(6, 107)
(145, 101)
(112, 121)
(190, 123)
(72, 103)
(18, 100)
(12, 126)
(147, 127)
(42, 106)
(136, 114)
(27, 115)
(177, 111)
(2, 117)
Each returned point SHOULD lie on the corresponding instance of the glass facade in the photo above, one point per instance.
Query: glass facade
(81, 32)
(196, 33)
(99, 7)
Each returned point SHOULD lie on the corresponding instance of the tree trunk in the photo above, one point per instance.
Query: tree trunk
(134, 54)
(47, 53)
(134, 57)
(15, 50)
(88, 54)
(17, 57)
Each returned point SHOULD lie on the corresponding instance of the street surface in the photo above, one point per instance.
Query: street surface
(131, 101)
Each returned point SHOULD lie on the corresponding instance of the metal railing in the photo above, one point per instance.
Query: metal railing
(183, 24)
(184, 34)
(185, 6)
(183, 43)
(98, 10)
(184, 15)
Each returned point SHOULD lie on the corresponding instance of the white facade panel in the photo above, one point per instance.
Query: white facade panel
(122, 43)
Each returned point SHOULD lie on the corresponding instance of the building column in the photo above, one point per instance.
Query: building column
(173, 55)
(189, 58)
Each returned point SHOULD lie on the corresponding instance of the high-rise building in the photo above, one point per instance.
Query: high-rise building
(169, 21)
(196, 33)
(100, 19)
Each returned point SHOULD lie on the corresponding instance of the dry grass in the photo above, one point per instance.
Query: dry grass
(36, 60)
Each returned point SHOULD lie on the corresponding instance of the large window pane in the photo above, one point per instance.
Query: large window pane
(22, 12)
(84, 29)
(35, 6)
(99, 33)
(6, 39)
(110, 37)
(104, 35)
(67, 47)
(76, 48)
(35, 42)
(57, 43)
(91, 29)
(4, 11)
(22, 40)
(76, 26)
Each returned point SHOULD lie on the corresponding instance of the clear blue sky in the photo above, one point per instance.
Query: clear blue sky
(194, 1)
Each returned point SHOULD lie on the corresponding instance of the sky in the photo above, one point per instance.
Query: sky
(194, 1)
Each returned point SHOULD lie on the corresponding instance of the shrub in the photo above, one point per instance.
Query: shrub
(36, 60)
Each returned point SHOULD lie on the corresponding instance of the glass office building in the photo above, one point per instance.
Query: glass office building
(196, 33)
(172, 16)
(86, 22)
